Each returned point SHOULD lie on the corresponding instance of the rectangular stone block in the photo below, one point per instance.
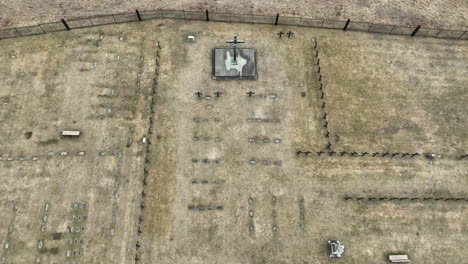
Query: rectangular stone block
(81, 23)
(220, 17)
(377, 28)
(155, 14)
(333, 24)
(174, 14)
(292, 21)
(195, 15)
(264, 19)
(427, 32)
(359, 26)
(122, 18)
(9, 33)
(52, 27)
(465, 35)
(104, 20)
(28, 31)
(450, 34)
(309, 22)
(403, 30)
(241, 18)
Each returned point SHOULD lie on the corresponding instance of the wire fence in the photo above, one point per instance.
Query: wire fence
(76, 23)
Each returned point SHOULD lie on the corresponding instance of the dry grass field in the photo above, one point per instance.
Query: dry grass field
(93, 81)
(218, 179)
(395, 95)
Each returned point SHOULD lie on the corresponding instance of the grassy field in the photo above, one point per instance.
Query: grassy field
(382, 93)
(395, 95)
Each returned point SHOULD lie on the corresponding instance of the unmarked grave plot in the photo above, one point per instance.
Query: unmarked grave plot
(396, 94)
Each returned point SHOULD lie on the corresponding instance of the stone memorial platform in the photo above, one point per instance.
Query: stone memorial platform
(245, 69)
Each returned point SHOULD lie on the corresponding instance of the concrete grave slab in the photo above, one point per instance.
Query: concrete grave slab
(246, 68)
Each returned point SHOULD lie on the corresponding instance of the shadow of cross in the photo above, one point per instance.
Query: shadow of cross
(234, 43)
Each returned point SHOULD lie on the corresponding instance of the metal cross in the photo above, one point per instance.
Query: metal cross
(250, 93)
(290, 33)
(198, 94)
(217, 94)
(234, 43)
(280, 34)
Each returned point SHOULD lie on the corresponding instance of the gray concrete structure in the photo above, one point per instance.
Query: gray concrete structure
(246, 68)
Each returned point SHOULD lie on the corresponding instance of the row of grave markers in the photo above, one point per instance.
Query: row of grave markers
(206, 161)
(249, 94)
(251, 161)
(384, 198)
(7, 245)
(117, 184)
(58, 154)
(44, 220)
(368, 154)
(274, 225)
(281, 33)
(254, 161)
(251, 226)
(75, 229)
(135, 102)
(130, 139)
(148, 152)
(322, 92)
(107, 110)
(358, 154)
